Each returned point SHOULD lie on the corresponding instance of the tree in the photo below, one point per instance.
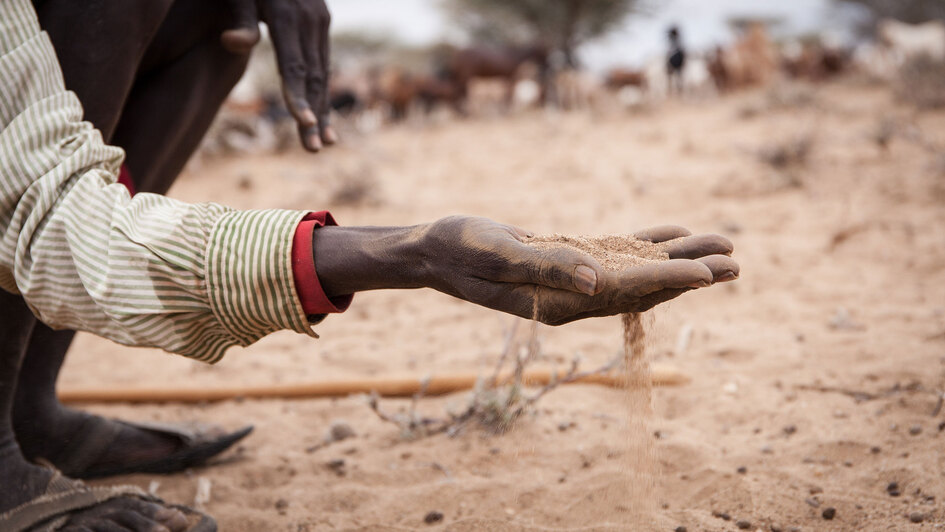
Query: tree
(560, 24)
(911, 11)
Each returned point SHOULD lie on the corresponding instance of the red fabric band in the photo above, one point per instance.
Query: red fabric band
(124, 177)
(309, 289)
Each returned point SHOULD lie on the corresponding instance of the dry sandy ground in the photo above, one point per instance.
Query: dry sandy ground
(814, 377)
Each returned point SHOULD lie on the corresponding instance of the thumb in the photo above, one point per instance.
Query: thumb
(244, 28)
(562, 268)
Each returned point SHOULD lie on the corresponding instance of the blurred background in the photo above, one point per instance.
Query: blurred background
(437, 59)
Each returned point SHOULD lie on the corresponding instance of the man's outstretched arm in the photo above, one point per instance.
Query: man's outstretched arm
(196, 279)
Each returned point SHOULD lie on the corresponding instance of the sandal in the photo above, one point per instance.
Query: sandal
(51, 510)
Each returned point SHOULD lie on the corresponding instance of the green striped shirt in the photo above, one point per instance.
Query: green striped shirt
(192, 279)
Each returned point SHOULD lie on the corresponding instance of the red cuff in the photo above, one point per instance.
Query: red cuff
(124, 177)
(309, 289)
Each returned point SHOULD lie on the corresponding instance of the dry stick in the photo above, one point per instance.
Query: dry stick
(385, 387)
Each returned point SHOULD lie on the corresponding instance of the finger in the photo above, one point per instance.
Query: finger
(243, 33)
(656, 298)
(315, 52)
(324, 50)
(640, 281)
(104, 525)
(723, 268)
(294, 72)
(135, 521)
(562, 268)
(693, 247)
(329, 136)
(520, 233)
(662, 233)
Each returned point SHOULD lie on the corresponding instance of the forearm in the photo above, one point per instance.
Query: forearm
(354, 259)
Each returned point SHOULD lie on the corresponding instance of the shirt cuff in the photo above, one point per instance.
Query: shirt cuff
(310, 292)
(249, 277)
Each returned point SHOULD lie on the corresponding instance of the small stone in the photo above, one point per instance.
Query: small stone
(564, 425)
(680, 529)
(847, 463)
(340, 431)
(812, 502)
(941, 426)
(829, 513)
(743, 524)
(915, 430)
(405, 455)
(916, 517)
(790, 429)
(741, 470)
(721, 515)
(893, 489)
(875, 450)
(282, 504)
(433, 517)
(767, 449)
(338, 466)
(814, 490)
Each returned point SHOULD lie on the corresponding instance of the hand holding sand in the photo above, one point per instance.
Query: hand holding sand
(505, 268)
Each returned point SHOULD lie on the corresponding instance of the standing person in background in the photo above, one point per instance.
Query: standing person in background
(78, 252)
(675, 62)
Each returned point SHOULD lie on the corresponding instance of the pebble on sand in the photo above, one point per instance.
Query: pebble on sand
(915, 430)
(743, 524)
(829, 513)
(680, 529)
(893, 489)
(741, 470)
(916, 517)
(340, 431)
(433, 517)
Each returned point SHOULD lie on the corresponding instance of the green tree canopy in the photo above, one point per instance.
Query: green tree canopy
(560, 24)
(912, 11)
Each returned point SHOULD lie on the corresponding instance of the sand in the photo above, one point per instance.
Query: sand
(812, 371)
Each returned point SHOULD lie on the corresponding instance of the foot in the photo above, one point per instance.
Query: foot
(58, 435)
(84, 446)
(24, 482)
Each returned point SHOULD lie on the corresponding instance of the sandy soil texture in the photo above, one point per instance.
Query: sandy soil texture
(817, 378)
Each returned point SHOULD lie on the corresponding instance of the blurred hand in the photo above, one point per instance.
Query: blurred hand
(299, 30)
(488, 263)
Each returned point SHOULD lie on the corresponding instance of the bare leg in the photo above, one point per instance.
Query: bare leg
(23, 481)
(170, 88)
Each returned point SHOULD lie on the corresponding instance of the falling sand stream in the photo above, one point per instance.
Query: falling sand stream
(634, 498)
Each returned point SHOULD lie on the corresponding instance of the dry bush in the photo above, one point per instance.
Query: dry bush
(922, 82)
(497, 401)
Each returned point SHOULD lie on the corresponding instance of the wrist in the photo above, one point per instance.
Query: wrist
(354, 259)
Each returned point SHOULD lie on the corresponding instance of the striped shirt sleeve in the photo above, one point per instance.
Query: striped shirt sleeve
(192, 279)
